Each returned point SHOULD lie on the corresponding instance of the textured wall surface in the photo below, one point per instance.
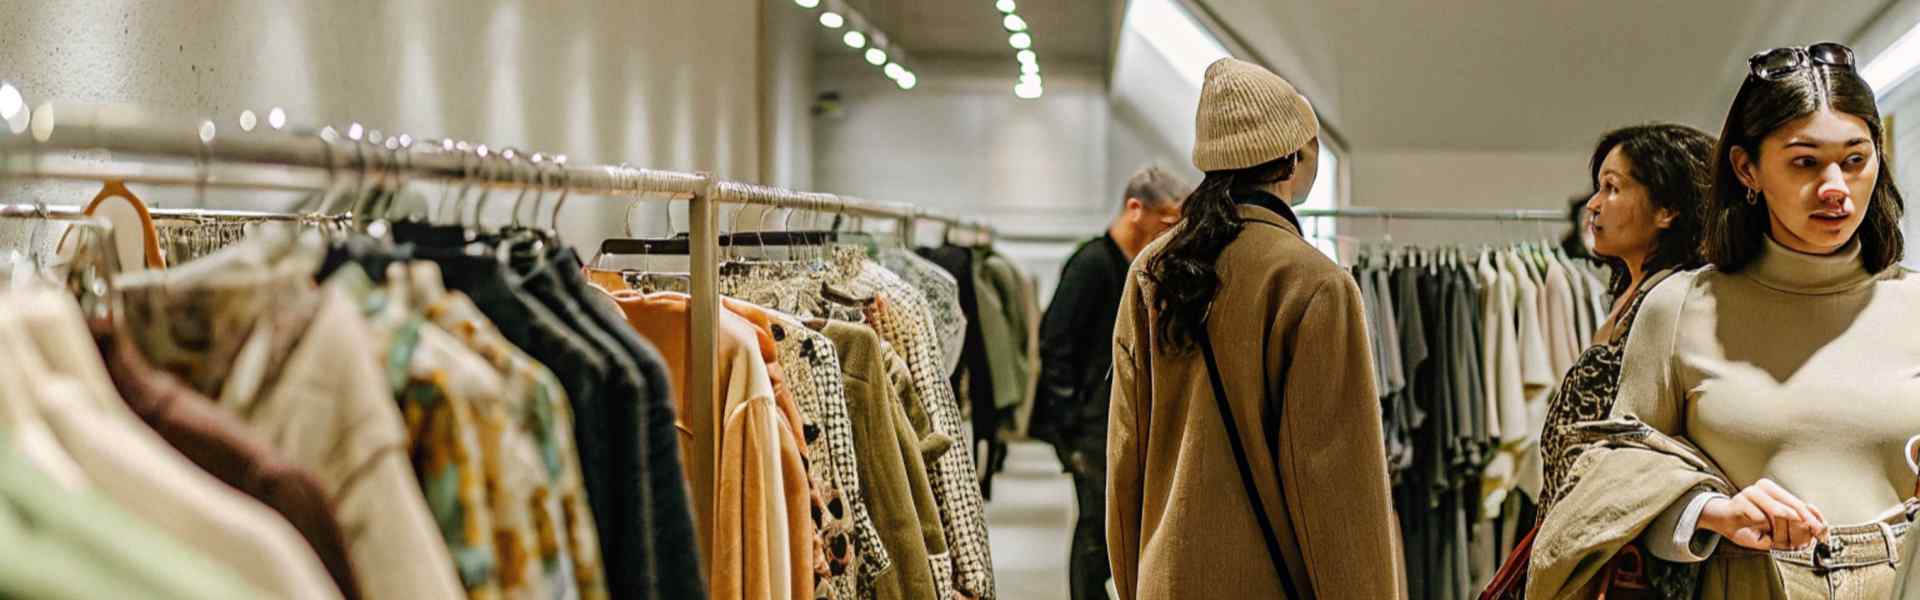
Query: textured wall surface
(667, 84)
(961, 142)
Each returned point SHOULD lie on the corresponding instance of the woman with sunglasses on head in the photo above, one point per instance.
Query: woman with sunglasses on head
(1764, 402)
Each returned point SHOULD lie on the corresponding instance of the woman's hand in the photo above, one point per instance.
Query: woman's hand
(1764, 517)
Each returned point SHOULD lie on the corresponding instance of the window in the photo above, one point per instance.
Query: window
(1173, 33)
(1187, 45)
(1325, 195)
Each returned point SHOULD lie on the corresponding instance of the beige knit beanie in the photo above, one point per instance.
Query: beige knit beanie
(1249, 117)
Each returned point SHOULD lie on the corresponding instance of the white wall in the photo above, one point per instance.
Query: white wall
(1462, 179)
(961, 143)
(659, 83)
(787, 104)
(1153, 106)
(1900, 107)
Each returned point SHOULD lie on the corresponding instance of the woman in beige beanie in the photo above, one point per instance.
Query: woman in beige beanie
(1289, 497)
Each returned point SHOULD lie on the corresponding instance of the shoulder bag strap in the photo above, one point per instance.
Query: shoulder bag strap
(1246, 469)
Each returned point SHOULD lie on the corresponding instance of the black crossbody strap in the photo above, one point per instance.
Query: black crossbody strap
(1246, 468)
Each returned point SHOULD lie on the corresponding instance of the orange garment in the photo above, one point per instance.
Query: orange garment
(742, 455)
(611, 281)
(769, 352)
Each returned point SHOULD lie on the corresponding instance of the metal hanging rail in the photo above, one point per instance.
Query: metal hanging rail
(1426, 214)
(1501, 215)
(124, 130)
(174, 214)
(328, 157)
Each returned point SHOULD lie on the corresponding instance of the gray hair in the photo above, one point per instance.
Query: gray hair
(1154, 186)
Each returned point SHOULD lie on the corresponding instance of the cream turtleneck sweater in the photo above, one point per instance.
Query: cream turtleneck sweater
(1802, 369)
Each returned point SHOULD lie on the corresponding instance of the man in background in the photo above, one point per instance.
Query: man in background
(1076, 348)
(1578, 243)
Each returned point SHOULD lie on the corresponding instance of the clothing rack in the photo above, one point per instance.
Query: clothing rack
(1426, 214)
(57, 211)
(1513, 215)
(1042, 238)
(327, 158)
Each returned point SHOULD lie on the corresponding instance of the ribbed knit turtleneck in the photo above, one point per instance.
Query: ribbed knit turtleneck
(1799, 369)
(1792, 271)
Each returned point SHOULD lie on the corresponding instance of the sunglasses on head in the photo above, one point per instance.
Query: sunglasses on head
(1780, 62)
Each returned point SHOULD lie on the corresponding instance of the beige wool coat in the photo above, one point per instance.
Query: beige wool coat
(1288, 328)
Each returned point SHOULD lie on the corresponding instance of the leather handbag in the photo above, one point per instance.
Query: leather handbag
(1624, 577)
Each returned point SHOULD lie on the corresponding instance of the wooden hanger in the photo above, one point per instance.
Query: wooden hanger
(149, 236)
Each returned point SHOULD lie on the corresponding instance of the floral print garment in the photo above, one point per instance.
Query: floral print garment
(488, 461)
(534, 404)
(443, 442)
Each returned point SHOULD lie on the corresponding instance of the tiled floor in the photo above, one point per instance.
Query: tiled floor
(1030, 522)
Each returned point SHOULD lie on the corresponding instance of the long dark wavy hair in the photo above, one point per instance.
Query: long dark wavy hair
(1675, 163)
(1736, 231)
(1182, 274)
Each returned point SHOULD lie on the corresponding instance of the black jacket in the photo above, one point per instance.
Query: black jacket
(1076, 344)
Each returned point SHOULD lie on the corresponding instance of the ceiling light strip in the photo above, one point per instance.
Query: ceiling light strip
(851, 29)
(1020, 37)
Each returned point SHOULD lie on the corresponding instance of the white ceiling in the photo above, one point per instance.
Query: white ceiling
(1063, 30)
(1520, 74)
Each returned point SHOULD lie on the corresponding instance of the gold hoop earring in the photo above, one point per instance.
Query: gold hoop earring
(1753, 197)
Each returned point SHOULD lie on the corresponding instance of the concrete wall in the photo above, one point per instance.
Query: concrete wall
(962, 143)
(1462, 179)
(787, 104)
(658, 83)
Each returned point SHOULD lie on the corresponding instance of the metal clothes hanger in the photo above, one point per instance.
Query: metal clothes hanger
(83, 261)
(444, 227)
(566, 187)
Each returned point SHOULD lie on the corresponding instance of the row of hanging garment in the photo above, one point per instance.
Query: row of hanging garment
(426, 412)
(1468, 343)
(998, 360)
(868, 350)
(267, 428)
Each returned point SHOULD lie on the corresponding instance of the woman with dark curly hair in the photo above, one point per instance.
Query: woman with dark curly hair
(1244, 438)
(1649, 184)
